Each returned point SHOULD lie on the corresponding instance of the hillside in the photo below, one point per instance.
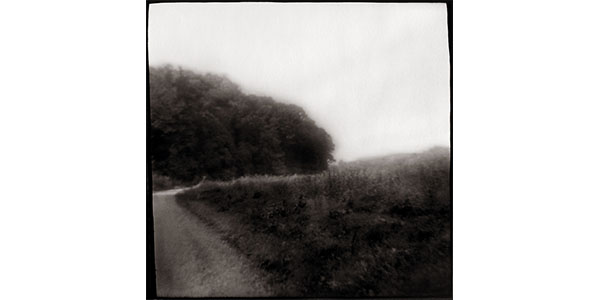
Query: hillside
(379, 227)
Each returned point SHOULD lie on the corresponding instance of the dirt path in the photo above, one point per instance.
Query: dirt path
(193, 261)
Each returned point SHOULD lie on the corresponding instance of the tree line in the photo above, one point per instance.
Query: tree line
(203, 125)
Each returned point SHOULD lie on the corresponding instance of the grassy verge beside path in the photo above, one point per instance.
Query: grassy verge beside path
(371, 228)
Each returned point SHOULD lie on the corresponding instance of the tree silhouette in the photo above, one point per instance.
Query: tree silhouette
(203, 125)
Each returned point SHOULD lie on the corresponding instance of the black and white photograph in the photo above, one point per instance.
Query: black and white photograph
(300, 149)
(287, 150)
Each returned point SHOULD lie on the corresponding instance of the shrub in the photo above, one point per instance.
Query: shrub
(160, 183)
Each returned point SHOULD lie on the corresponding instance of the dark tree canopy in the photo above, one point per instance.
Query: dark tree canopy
(203, 125)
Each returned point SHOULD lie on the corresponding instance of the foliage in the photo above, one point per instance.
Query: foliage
(203, 125)
(160, 183)
(371, 228)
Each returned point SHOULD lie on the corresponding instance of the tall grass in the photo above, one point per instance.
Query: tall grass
(372, 228)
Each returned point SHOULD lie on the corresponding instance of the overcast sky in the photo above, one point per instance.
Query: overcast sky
(375, 76)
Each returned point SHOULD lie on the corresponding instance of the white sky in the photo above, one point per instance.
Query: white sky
(375, 76)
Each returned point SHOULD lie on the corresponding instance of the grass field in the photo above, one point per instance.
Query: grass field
(378, 227)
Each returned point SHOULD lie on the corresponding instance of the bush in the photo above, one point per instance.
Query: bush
(160, 183)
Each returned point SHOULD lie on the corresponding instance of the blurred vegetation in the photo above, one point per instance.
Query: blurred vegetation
(203, 125)
(379, 227)
(161, 183)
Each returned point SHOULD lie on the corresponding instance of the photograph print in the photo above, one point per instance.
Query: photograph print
(299, 150)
